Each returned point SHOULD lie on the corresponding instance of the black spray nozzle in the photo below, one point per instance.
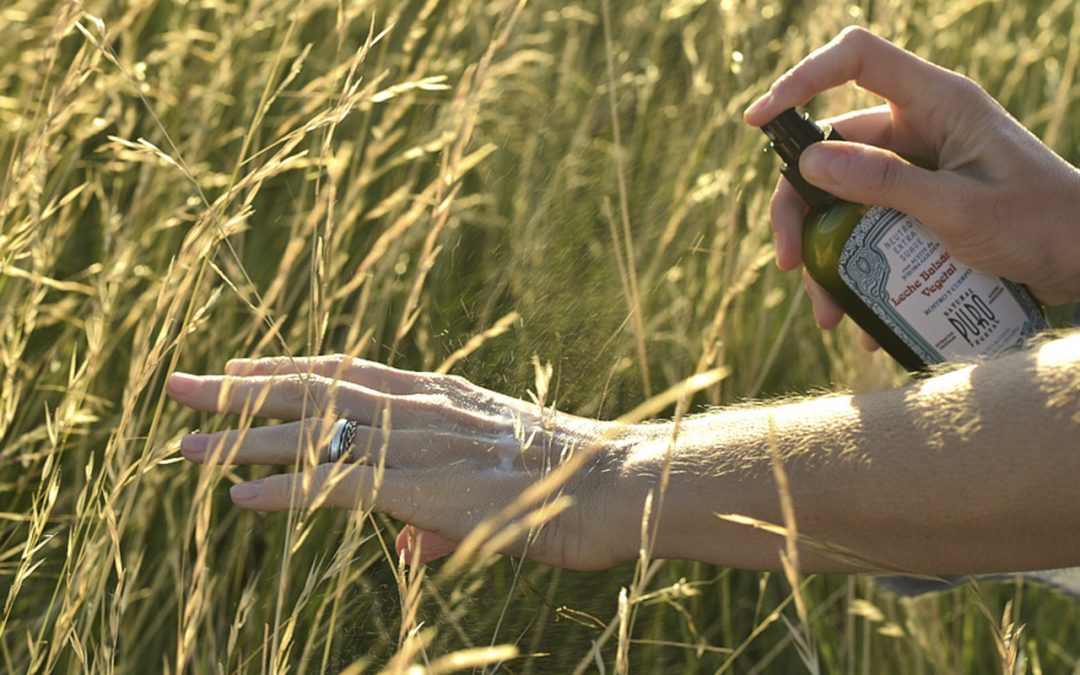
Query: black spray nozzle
(789, 134)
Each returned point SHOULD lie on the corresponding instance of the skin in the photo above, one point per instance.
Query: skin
(433, 450)
(937, 477)
(1000, 200)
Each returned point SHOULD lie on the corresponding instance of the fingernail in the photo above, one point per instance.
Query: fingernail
(819, 165)
(233, 364)
(194, 445)
(245, 491)
(181, 383)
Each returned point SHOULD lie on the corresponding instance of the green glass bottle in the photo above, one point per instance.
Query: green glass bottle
(893, 276)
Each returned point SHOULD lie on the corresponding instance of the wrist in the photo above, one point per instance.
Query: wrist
(594, 533)
(615, 487)
(717, 464)
(662, 477)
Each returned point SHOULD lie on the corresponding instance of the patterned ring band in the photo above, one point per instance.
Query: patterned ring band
(341, 441)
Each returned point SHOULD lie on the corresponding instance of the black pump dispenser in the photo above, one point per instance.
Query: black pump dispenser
(789, 134)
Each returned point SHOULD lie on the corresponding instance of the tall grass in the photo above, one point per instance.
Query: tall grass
(188, 181)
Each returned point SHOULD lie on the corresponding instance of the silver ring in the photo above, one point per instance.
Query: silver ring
(341, 441)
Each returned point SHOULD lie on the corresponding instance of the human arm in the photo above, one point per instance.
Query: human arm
(969, 471)
(974, 470)
(998, 198)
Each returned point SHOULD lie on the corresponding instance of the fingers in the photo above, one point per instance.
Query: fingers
(787, 211)
(881, 127)
(868, 342)
(377, 377)
(422, 546)
(290, 443)
(286, 398)
(827, 312)
(873, 126)
(294, 397)
(281, 444)
(349, 486)
(856, 55)
(865, 174)
(334, 367)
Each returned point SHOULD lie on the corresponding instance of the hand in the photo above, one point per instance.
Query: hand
(999, 199)
(433, 450)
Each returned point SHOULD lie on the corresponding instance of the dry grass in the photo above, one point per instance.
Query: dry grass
(459, 185)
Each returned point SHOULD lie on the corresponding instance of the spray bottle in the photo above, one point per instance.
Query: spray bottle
(894, 277)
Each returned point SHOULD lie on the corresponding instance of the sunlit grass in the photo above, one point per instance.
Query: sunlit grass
(460, 185)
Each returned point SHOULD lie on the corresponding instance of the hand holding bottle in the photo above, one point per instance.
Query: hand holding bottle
(999, 199)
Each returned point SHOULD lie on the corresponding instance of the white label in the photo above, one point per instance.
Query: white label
(941, 308)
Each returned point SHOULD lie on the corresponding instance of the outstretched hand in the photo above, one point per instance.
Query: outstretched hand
(999, 199)
(435, 451)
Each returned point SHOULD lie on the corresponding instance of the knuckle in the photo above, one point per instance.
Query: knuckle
(419, 381)
(796, 85)
(968, 90)
(435, 402)
(324, 390)
(298, 389)
(339, 361)
(457, 381)
(272, 364)
(293, 387)
(854, 35)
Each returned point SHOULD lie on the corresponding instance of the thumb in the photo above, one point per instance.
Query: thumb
(865, 174)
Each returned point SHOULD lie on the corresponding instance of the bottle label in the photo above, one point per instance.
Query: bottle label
(941, 308)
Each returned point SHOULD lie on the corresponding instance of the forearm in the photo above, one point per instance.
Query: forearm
(970, 471)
